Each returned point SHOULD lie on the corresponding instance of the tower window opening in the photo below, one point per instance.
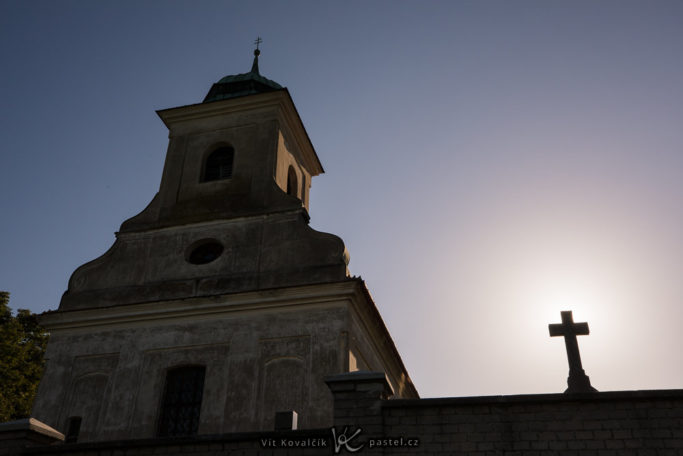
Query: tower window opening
(218, 164)
(182, 401)
(292, 184)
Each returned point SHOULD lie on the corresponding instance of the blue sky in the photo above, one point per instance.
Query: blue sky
(488, 163)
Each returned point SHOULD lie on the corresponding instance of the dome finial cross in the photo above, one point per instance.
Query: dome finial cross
(257, 52)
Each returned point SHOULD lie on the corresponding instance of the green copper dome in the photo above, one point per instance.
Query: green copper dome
(239, 85)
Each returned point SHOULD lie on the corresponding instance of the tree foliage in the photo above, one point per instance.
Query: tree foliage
(22, 349)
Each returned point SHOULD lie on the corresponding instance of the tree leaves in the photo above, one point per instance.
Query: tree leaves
(22, 349)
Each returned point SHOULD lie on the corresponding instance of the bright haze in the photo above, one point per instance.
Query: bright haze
(488, 163)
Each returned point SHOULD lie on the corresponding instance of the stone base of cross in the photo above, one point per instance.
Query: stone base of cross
(579, 382)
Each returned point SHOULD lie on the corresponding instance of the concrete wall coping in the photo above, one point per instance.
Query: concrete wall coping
(180, 441)
(358, 376)
(30, 424)
(642, 395)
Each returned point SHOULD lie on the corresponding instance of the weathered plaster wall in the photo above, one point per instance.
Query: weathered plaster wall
(259, 253)
(286, 158)
(264, 352)
(115, 377)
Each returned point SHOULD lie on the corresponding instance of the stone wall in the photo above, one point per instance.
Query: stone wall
(600, 424)
(638, 423)
(616, 423)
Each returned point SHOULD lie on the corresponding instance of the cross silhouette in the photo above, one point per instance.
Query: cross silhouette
(257, 52)
(578, 381)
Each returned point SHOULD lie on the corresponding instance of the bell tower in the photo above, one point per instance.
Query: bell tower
(230, 155)
(217, 305)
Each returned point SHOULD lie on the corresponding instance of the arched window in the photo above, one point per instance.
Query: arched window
(182, 401)
(292, 184)
(219, 164)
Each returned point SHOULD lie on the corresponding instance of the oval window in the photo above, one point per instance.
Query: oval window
(205, 252)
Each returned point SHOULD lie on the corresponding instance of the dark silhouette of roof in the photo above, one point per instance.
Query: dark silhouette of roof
(239, 85)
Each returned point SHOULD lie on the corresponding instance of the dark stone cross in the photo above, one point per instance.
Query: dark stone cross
(577, 381)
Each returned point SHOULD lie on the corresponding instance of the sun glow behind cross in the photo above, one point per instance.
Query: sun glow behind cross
(529, 266)
(553, 295)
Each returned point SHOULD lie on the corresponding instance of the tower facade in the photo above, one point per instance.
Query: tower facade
(218, 305)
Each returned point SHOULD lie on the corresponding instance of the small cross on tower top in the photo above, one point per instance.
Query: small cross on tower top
(578, 381)
(257, 52)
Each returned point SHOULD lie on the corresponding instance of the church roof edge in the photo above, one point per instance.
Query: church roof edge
(237, 85)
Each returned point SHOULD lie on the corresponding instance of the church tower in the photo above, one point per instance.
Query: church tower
(218, 305)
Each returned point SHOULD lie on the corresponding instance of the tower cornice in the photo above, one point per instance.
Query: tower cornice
(173, 117)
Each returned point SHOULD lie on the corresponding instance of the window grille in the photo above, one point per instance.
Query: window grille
(219, 164)
(182, 401)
